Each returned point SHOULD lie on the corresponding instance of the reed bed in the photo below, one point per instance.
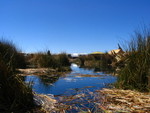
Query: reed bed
(136, 70)
(15, 95)
(58, 62)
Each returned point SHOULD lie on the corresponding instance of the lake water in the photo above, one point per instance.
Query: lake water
(76, 89)
(78, 79)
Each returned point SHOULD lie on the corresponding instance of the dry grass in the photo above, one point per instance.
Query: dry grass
(117, 100)
(14, 94)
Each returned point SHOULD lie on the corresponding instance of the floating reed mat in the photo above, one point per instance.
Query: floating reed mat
(117, 100)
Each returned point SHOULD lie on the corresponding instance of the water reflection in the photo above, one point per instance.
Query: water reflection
(48, 79)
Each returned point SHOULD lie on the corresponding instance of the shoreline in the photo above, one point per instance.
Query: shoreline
(41, 71)
(110, 100)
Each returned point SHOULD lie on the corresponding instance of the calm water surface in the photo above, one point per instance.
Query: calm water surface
(72, 82)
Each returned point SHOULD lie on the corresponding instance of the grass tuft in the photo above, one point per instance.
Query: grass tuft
(135, 73)
(15, 96)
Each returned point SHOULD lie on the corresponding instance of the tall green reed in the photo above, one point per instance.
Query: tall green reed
(135, 73)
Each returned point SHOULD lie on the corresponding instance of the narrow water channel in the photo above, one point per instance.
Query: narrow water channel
(76, 89)
(78, 79)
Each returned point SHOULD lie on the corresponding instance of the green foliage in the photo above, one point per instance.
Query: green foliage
(134, 75)
(14, 94)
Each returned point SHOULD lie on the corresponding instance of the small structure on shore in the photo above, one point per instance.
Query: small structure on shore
(117, 53)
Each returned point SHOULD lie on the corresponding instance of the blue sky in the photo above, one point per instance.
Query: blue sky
(72, 26)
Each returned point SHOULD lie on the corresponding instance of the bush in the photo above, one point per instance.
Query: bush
(134, 75)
